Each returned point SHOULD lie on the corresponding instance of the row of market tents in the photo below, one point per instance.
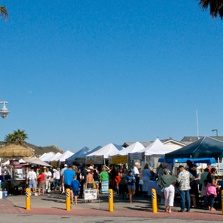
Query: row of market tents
(205, 147)
(115, 153)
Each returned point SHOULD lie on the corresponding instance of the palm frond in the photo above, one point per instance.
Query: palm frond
(3, 12)
(215, 6)
(205, 3)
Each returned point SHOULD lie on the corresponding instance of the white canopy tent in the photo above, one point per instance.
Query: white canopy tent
(154, 151)
(54, 158)
(156, 148)
(44, 154)
(47, 156)
(134, 148)
(106, 151)
(64, 156)
(36, 161)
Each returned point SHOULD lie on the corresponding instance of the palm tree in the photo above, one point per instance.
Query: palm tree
(216, 7)
(10, 138)
(3, 12)
(17, 137)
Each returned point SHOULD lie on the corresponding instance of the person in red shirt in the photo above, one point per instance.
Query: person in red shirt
(209, 167)
(117, 181)
(41, 182)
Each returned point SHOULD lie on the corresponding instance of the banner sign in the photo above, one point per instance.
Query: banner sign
(136, 156)
(90, 194)
(94, 160)
(118, 159)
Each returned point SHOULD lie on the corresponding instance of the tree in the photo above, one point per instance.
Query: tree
(17, 137)
(215, 6)
(3, 12)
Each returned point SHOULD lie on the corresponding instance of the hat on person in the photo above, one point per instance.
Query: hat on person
(137, 163)
(44, 167)
(65, 164)
(91, 167)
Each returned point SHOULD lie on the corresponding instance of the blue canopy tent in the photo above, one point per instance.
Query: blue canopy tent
(184, 160)
(205, 147)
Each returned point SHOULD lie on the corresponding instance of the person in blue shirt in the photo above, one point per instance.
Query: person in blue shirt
(75, 184)
(130, 180)
(68, 177)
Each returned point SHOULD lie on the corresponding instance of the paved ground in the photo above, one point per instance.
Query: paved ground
(53, 207)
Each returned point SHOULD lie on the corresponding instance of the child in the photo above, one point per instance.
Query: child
(117, 181)
(75, 188)
(130, 180)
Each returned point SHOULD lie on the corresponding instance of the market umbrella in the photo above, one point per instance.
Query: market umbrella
(36, 161)
(13, 150)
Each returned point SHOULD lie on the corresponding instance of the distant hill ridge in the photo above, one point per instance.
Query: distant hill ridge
(39, 150)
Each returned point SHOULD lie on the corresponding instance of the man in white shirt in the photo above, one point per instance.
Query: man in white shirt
(137, 177)
(56, 177)
(61, 177)
(31, 180)
(48, 176)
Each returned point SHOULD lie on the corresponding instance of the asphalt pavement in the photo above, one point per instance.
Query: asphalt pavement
(52, 208)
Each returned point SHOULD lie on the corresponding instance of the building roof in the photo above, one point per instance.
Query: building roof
(146, 144)
(189, 139)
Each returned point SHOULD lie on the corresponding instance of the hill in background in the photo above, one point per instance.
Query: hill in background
(39, 150)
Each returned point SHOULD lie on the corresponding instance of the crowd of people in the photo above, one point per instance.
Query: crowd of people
(189, 184)
(129, 182)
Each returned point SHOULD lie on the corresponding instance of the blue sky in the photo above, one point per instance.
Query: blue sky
(88, 73)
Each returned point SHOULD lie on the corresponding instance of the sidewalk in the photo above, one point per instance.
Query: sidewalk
(54, 204)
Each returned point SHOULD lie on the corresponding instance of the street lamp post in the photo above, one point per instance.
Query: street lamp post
(215, 130)
(4, 111)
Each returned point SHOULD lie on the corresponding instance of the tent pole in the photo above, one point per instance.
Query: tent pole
(218, 166)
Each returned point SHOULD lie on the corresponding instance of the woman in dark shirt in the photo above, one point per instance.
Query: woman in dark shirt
(211, 189)
(96, 179)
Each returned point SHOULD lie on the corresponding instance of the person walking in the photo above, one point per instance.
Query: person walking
(146, 175)
(203, 187)
(41, 182)
(75, 184)
(130, 180)
(211, 189)
(194, 193)
(183, 179)
(61, 178)
(48, 176)
(83, 177)
(89, 179)
(96, 180)
(166, 183)
(31, 180)
(137, 177)
(123, 186)
(68, 177)
(117, 181)
(104, 178)
(56, 178)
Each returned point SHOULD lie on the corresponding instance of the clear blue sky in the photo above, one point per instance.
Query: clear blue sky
(88, 73)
